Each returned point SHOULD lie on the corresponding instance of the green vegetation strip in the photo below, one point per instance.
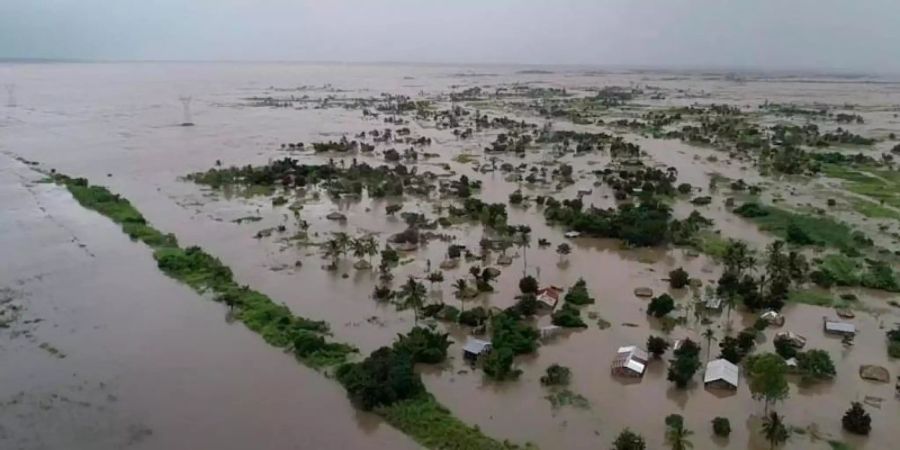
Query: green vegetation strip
(803, 229)
(419, 416)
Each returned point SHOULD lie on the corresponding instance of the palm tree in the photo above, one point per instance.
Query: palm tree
(342, 243)
(710, 336)
(436, 277)
(524, 241)
(413, 294)
(563, 250)
(369, 247)
(459, 290)
(774, 429)
(677, 435)
(333, 251)
(475, 271)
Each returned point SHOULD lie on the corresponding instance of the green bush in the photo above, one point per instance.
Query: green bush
(721, 426)
(578, 294)
(568, 316)
(557, 375)
(424, 345)
(661, 305)
(383, 378)
(679, 278)
(473, 317)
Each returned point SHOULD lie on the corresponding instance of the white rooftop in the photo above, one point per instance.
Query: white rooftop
(722, 370)
(840, 327)
(476, 346)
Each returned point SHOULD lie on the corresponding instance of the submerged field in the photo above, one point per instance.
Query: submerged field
(422, 197)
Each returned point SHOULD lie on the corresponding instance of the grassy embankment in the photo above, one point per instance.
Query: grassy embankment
(421, 417)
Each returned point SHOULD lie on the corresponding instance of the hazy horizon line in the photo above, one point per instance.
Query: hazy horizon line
(719, 69)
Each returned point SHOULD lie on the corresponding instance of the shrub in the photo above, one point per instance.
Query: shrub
(528, 285)
(578, 294)
(568, 316)
(629, 440)
(721, 426)
(784, 347)
(473, 317)
(894, 349)
(815, 365)
(507, 331)
(856, 420)
(557, 375)
(424, 345)
(383, 378)
(498, 365)
(661, 305)
(527, 305)
(657, 346)
(679, 278)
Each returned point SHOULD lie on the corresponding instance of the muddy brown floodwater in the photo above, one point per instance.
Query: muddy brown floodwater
(109, 353)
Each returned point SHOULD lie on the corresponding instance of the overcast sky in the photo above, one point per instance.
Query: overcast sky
(857, 35)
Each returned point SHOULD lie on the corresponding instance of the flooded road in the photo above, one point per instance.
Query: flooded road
(155, 367)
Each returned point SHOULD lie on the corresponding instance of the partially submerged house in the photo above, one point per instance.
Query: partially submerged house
(713, 303)
(721, 374)
(475, 348)
(796, 340)
(550, 331)
(630, 361)
(839, 328)
(773, 318)
(549, 296)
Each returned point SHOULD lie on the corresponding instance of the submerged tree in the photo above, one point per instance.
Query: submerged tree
(774, 430)
(768, 378)
(856, 420)
(563, 250)
(629, 440)
(413, 295)
(460, 290)
(677, 436)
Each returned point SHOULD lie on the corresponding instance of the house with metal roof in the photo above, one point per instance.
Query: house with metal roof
(475, 348)
(838, 327)
(722, 374)
(713, 303)
(549, 296)
(630, 361)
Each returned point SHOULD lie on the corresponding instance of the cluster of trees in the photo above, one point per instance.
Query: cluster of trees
(578, 294)
(783, 270)
(556, 375)
(490, 214)
(387, 375)
(685, 364)
(341, 243)
(646, 224)
(661, 305)
(510, 336)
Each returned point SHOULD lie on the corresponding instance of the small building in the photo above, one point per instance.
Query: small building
(713, 303)
(773, 318)
(722, 374)
(550, 331)
(838, 327)
(572, 234)
(630, 361)
(549, 296)
(475, 348)
(796, 340)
